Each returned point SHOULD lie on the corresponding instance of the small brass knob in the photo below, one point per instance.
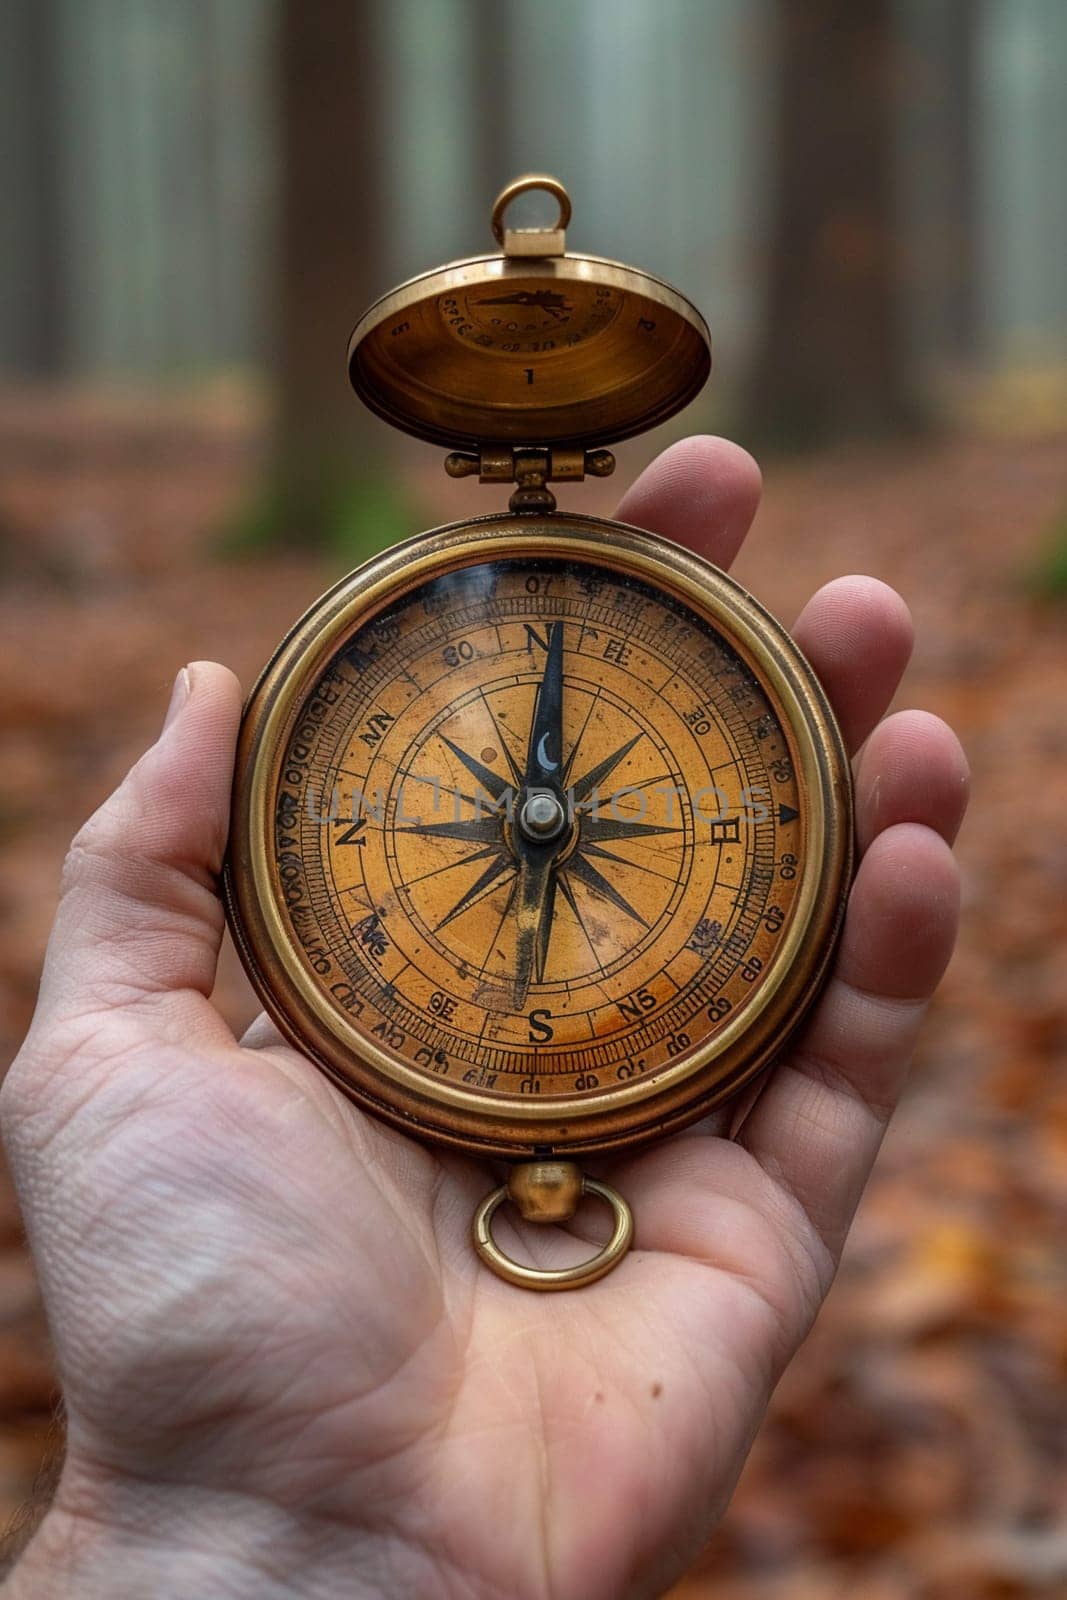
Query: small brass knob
(545, 1191)
(550, 1191)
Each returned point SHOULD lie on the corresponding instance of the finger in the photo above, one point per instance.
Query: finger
(857, 634)
(912, 769)
(816, 1127)
(702, 492)
(139, 913)
(818, 1124)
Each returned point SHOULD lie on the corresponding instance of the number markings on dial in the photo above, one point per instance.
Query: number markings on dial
(625, 901)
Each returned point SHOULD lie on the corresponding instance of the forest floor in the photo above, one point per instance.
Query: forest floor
(915, 1451)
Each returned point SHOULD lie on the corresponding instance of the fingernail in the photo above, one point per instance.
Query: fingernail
(178, 696)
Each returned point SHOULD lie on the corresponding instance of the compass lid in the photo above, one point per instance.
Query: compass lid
(534, 346)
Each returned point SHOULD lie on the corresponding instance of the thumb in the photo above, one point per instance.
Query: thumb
(139, 912)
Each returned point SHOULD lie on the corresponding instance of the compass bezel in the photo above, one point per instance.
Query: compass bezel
(464, 1116)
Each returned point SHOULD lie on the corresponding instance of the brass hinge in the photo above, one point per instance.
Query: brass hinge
(532, 469)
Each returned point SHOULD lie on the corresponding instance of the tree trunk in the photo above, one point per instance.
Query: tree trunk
(331, 234)
(831, 364)
(33, 203)
(955, 84)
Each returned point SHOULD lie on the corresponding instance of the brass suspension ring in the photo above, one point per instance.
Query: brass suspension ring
(549, 1278)
(533, 180)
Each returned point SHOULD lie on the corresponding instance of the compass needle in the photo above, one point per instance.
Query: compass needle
(599, 815)
(544, 756)
(544, 930)
(533, 903)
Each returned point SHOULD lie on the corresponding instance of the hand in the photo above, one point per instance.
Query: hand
(285, 1371)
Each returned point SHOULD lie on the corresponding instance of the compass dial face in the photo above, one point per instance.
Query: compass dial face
(537, 831)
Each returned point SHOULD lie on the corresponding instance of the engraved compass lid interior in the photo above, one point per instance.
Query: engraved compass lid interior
(535, 346)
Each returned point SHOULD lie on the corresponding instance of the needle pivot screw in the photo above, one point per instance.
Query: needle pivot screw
(542, 815)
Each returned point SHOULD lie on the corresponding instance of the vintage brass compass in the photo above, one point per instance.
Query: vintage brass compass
(542, 825)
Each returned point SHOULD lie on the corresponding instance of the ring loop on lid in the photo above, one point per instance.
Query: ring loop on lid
(523, 185)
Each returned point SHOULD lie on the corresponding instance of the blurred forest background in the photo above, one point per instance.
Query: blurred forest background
(867, 200)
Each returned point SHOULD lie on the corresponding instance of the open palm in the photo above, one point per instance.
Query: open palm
(280, 1357)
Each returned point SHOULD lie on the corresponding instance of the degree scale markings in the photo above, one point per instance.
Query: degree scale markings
(669, 975)
(422, 673)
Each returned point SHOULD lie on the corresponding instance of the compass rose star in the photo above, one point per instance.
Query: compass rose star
(541, 841)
